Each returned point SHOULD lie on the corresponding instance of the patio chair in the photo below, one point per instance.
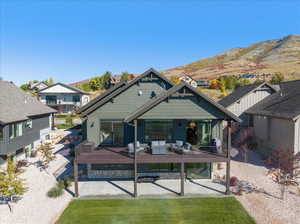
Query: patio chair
(139, 147)
(159, 147)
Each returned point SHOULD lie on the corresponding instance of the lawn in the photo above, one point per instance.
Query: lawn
(159, 211)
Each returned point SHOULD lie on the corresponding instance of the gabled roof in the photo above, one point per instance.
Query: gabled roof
(101, 96)
(93, 106)
(283, 104)
(17, 105)
(152, 103)
(242, 92)
(33, 85)
(66, 86)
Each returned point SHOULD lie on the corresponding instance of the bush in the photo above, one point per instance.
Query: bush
(55, 192)
(233, 181)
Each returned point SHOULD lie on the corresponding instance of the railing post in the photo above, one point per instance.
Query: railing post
(228, 157)
(76, 178)
(135, 159)
(182, 179)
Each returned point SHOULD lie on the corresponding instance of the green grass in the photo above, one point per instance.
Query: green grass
(158, 211)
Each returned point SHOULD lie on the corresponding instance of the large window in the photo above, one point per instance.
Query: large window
(158, 130)
(1, 133)
(15, 130)
(76, 98)
(51, 100)
(159, 167)
(111, 132)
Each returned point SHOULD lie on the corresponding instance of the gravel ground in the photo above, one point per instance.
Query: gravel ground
(36, 207)
(266, 208)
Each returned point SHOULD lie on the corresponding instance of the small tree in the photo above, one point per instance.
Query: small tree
(10, 182)
(175, 79)
(47, 155)
(106, 79)
(214, 84)
(246, 142)
(288, 167)
(277, 78)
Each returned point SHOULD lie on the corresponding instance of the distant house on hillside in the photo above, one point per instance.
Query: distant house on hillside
(245, 97)
(203, 83)
(24, 122)
(35, 87)
(276, 119)
(63, 98)
(114, 79)
(188, 79)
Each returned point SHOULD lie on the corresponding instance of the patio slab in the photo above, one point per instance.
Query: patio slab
(124, 188)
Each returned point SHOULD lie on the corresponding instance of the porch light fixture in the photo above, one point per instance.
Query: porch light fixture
(140, 92)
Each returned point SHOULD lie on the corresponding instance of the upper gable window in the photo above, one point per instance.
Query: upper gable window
(28, 124)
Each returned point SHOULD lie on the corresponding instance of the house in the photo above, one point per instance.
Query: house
(188, 79)
(173, 126)
(35, 87)
(245, 97)
(114, 79)
(276, 119)
(203, 83)
(24, 122)
(63, 98)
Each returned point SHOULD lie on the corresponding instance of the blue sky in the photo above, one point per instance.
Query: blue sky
(74, 40)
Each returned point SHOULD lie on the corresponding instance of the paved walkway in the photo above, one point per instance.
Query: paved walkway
(159, 188)
(36, 207)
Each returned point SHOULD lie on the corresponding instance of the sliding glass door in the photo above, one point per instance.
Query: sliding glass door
(199, 132)
(111, 133)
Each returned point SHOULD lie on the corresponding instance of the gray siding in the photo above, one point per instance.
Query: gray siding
(128, 101)
(238, 108)
(274, 132)
(188, 107)
(8, 145)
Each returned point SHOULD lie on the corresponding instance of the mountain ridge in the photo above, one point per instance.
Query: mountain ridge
(268, 57)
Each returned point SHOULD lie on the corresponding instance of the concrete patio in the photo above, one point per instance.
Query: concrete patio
(160, 188)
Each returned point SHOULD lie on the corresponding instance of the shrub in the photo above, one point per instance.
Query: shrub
(233, 181)
(55, 192)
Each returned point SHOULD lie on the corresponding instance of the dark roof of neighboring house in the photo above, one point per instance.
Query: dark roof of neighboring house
(241, 92)
(150, 104)
(96, 104)
(283, 104)
(17, 105)
(64, 85)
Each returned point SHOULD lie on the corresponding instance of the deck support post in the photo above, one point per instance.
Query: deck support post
(135, 194)
(228, 157)
(182, 179)
(76, 178)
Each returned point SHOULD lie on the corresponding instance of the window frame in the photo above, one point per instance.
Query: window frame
(166, 134)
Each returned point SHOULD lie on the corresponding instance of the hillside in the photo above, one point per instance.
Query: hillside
(271, 56)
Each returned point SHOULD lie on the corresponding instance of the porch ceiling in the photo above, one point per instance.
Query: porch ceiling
(112, 155)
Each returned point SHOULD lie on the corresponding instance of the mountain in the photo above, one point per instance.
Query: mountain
(271, 56)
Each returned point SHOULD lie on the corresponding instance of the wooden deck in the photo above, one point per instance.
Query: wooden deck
(120, 155)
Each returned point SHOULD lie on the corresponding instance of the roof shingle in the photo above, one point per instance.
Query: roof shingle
(17, 105)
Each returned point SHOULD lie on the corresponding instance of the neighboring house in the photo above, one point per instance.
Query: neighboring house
(203, 83)
(35, 87)
(114, 79)
(63, 98)
(24, 122)
(276, 119)
(150, 110)
(188, 79)
(245, 97)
